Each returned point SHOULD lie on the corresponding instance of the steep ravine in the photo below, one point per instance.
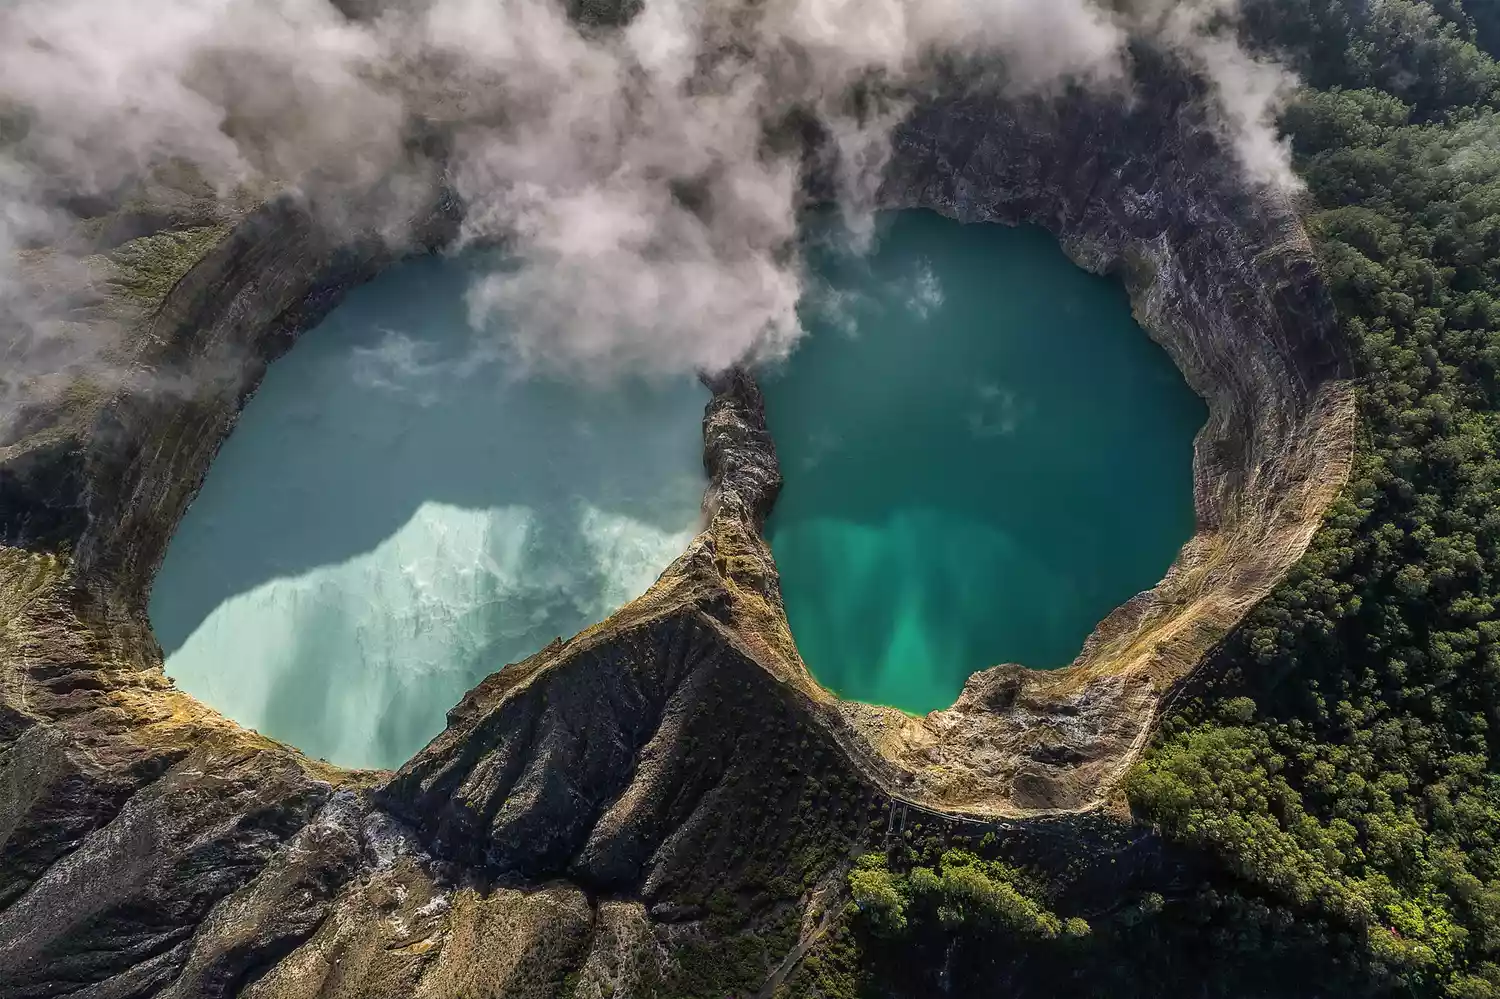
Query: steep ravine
(670, 783)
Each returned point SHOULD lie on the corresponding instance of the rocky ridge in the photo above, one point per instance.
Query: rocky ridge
(667, 801)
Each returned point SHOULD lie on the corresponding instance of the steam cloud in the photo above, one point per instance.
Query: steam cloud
(641, 174)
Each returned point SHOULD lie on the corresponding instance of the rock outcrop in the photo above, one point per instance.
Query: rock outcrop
(666, 801)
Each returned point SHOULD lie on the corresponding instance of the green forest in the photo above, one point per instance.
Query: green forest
(1344, 757)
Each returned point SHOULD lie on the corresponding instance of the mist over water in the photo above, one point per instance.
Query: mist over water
(642, 173)
(984, 455)
(400, 513)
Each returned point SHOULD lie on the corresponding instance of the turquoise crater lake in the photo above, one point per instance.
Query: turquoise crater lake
(399, 514)
(984, 455)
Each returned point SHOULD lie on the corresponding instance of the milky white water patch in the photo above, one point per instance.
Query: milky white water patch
(359, 661)
(401, 513)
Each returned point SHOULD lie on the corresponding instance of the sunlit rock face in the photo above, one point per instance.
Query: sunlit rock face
(984, 455)
(402, 511)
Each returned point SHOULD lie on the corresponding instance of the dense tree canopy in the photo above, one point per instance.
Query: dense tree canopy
(961, 890)
(1345, 758)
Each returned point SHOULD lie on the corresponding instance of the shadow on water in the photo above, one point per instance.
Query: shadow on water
(983, 454)
(390, 487)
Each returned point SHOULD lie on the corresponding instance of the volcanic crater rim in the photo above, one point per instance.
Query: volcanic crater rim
(1220, 275)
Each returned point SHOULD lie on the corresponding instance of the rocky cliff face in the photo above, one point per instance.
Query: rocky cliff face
(665, 803)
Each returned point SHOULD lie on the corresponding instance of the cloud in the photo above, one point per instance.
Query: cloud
(926, 291)
(645, 179)
(1246, 92)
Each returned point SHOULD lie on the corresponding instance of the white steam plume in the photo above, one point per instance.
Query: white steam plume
(1248, 90)
(635, 172)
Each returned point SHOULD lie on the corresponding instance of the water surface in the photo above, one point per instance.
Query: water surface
(398, 514)
(984, 455)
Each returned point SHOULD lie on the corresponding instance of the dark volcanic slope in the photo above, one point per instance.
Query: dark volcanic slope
(666, 802)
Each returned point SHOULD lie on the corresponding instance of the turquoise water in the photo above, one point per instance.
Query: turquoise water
(398, 515)
(984, 455)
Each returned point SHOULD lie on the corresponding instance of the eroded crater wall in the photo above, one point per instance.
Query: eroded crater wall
(1222, 275)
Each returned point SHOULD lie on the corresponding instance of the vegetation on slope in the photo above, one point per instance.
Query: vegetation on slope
(1343, 758)
(959, 891)
(1092, 908)
(148, 267)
